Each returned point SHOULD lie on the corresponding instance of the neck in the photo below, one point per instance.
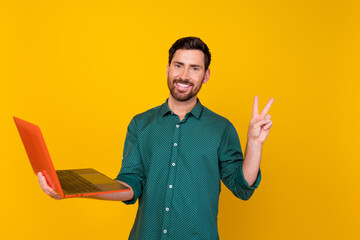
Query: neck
(181, 108)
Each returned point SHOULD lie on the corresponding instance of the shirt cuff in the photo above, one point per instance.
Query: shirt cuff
(240, 179)
(134, 183)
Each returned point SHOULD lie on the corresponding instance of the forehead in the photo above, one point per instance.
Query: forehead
(192, 57)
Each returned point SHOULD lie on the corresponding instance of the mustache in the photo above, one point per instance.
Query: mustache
(179, 80)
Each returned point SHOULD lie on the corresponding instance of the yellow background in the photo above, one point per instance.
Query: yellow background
(82, 69)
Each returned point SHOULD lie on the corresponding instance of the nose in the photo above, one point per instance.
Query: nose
(185, 74)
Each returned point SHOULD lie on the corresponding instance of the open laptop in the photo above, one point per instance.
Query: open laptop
(67, 183)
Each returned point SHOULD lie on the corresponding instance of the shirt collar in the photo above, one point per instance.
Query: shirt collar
(196, 111)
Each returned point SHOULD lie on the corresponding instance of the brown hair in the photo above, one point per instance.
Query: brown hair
(191, 43)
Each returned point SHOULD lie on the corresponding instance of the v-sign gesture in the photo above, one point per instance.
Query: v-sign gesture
(260, 124)
(259, 129)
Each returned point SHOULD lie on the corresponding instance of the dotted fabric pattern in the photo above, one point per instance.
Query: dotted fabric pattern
(175, 167)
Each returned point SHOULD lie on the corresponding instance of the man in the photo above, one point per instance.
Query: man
(176, 154)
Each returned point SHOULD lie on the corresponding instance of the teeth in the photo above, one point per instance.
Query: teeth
(183, 85)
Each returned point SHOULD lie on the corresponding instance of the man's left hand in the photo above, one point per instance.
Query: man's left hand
(260, 124)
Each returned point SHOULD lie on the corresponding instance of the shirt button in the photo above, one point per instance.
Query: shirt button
(165, 231)
(175, 144)
(167, 209)
(170, 186)
(177, 125)
(173, 164)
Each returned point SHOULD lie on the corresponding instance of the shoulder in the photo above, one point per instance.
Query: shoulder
(151, 113)
(216, 122)
(146, 117)
(211, 116)
(222, 126)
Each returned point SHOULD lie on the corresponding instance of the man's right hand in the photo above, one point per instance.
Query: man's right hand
(116, 196)
(46, 188)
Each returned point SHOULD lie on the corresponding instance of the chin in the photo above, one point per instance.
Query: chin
(182, 98)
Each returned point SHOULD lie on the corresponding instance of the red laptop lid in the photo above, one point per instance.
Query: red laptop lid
(38, 153)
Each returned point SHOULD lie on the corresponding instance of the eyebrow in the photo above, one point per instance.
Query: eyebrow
(191, 65)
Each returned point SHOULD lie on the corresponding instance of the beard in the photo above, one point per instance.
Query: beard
(183, 96)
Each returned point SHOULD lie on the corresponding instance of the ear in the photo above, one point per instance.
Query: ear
(207, 76)
(167, 70)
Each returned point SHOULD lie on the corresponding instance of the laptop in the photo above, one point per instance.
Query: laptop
(67, 183)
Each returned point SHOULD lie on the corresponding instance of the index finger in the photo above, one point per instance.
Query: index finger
(256, 106)
(267, 107)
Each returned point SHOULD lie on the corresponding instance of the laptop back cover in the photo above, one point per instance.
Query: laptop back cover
(38, 153)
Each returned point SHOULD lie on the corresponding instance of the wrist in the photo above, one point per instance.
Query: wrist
(253, 145)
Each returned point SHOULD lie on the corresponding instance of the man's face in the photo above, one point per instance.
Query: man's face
(186, 74)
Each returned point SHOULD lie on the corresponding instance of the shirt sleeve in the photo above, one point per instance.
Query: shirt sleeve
(132, 171)
(230, 163)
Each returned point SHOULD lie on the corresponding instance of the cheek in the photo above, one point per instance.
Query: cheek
(199, 78)
(172, 73)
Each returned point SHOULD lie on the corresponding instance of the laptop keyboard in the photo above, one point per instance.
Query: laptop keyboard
(73, 183)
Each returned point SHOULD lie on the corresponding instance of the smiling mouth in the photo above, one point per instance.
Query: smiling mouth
(183, 85)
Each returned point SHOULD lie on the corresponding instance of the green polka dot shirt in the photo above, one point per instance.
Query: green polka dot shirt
(175, 167)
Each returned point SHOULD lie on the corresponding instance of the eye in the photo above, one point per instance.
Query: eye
(195, 68)
(177, 66)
